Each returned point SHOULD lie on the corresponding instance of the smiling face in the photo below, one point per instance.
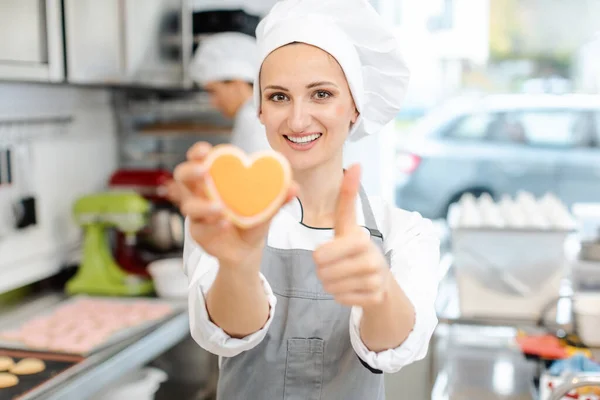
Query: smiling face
(306, 106)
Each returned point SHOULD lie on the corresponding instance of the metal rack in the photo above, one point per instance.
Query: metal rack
(25, 129)
(155, 131)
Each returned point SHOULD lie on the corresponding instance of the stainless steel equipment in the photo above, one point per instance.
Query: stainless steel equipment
(574, 383)
(510, 256)
(166, 231)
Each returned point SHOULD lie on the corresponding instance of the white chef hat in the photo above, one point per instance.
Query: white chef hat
(358, 38)
(225, 56)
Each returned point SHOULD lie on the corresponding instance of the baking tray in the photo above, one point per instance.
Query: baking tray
(17, 318)
(56, 364)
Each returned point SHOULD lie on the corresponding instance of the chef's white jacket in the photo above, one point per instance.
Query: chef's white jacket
(415, 260)
(248, 133)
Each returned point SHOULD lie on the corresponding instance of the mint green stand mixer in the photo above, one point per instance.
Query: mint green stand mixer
(99, 274)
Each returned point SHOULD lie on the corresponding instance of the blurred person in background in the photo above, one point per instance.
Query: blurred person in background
(225, 65)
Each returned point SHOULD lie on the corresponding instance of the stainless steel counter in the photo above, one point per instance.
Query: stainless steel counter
(477, 358)
(482, 363)
(107, 366)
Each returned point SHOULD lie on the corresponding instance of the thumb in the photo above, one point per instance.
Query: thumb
(345, 215)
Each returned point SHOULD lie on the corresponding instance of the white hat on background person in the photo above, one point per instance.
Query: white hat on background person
(225, 56)
(358, 38)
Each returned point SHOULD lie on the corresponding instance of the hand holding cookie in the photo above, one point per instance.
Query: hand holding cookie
(231, 198)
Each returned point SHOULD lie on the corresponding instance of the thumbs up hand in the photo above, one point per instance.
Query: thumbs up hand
(351, 267)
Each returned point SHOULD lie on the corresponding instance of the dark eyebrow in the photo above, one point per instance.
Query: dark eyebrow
(309, 86)
(320, 83)
(275, 87)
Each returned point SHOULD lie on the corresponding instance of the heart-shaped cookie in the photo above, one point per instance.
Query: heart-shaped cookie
(250, 188)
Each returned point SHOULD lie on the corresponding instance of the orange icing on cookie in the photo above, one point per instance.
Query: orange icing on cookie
(250, 188)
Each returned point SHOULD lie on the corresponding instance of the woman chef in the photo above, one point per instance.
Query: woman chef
(337, 287)
(225, 65)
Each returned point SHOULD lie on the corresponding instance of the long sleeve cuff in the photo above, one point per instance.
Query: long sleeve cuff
(413, 348)
(211, 337)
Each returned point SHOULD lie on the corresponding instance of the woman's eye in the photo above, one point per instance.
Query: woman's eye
(277, 97)
(322, 94)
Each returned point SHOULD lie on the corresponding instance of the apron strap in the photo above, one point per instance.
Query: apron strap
(371, 225)
(370, 222)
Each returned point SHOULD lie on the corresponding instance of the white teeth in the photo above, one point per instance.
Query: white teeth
(304, 139)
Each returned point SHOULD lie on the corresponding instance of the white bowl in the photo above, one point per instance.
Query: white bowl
(587, 314)
(169, 279)
(139, 385)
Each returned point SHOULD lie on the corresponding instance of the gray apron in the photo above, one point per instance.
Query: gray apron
(306, 354)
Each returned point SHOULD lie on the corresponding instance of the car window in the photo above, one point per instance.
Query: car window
(471, 127)
(596, 132)
(585, 130)
(552, 128)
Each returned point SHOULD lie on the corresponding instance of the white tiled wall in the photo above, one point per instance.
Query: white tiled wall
(64, 167)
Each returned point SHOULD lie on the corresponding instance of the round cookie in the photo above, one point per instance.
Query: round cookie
(28, 366)
(8, 380)
(6, 363)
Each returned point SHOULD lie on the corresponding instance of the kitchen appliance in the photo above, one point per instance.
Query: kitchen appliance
(98, 272)
(164, 233)
(510, 257)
